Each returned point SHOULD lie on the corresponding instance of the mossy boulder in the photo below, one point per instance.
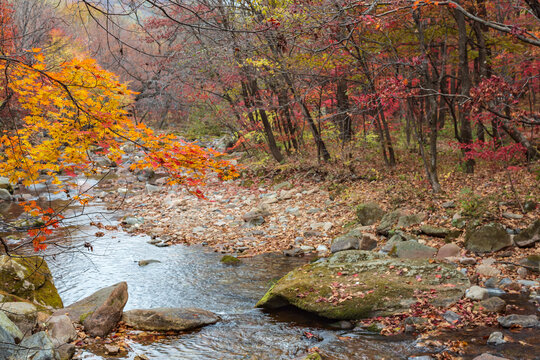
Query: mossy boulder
(388, 222)
(487, 238)
(358, 284)
(29, 278)
(369, 213)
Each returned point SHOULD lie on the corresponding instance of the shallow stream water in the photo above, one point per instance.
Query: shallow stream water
(194, 277)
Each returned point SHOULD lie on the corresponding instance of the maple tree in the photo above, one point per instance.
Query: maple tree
(67, 111)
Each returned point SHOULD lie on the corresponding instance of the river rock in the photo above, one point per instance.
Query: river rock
(528, 236)
(487, 238)
(487, 270)
(255, 217)
(36, 347)
(368, 242)
(448, 250)
(99, 312)
(344, 242)
(486, 356)
(525, 321)
(388, 222)
(169, 319)
(409, 220)
(496, 338)
(369, 213)
(29, 278)
(5, 184)
(5, 195)
(364, 285)
(532, 262)
(7, 343)
(492, 304)
(413, 250)
(61, 329)
(23, 314)
(434, 231)
(10, 328)
(476, 293)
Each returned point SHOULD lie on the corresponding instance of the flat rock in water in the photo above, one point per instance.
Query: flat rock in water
(365, 286)
(99, 312)
(169, 319)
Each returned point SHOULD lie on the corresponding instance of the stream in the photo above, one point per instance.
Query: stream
(194, 277)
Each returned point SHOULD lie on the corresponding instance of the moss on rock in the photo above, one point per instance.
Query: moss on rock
(358, 284)
(230, 260)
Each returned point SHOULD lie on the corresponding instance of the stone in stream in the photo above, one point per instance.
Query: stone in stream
(525, 321)
(29, 278)
(377, 291)
(476, 293)
(100, 312)
(496, 338)
(169, 319)
(369, 213)
(528, 236)
(147, 262)
(487, 238)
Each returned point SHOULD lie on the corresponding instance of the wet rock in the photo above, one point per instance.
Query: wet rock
(434, 231)
(448, 250)
(529, 283)
(36, 347)
(61, 329)
(375, 296)
(491, 282)
(100, 312)
(342, 325)
(29, 278)
(528, 236)
(487, 238)
(147, 262)
(413, 250)
(7, 326)
(476, 293)
(525, 321)
(496, 338)
(493, 304)
(495, 292)
(369, 213)
(169, 319)
(111, 349)
(23, 314)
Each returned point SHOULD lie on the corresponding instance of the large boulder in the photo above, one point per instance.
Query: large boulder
(6, 185)
(356, 284)
(7, 343)
(36, 347)
(344, 242)
(61, 329)
(487, 238)
(369, 213)
(169, 319)
(528, 236)
(29, 278)
(100, 312)
(5, 195)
